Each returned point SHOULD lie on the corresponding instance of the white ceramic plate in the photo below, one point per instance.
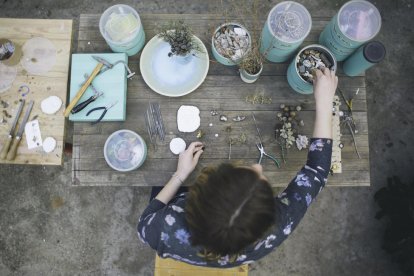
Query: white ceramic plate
(170, 76)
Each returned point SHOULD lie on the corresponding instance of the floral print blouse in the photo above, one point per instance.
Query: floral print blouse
(164, 228)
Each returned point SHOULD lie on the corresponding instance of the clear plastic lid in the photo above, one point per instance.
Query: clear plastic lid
(39, 56)
(289, 21)
(7, 76)
(119, 24)
(359, 20)
(125, 150)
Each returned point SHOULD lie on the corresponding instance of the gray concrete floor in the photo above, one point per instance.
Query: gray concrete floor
(48, 227)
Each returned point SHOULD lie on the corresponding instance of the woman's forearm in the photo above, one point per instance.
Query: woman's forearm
(323, 121)
(170, 189)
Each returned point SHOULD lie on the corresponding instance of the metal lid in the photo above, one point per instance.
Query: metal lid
(289, 21)
(374, 51)
(359, 20)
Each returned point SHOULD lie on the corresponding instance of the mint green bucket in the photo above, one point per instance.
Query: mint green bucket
(224, 59)
(287, 25)
(356, 23)
(294, 78)
(121, 27)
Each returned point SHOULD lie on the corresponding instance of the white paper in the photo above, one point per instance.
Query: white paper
(33, 134)
(188, 118)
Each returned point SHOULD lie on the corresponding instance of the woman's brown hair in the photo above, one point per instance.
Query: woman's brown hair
(228, 208)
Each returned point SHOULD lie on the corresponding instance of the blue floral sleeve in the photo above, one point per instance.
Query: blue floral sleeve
(306, 185)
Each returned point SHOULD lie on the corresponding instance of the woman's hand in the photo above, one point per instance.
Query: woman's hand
(188, 160)
(324, 87)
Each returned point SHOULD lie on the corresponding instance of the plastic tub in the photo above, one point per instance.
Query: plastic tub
(125, 150)
(120, 26)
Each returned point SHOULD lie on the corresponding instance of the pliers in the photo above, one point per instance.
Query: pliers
(105, 108)
(262, 152)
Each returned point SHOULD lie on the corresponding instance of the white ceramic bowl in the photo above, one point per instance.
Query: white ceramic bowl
(170, 76)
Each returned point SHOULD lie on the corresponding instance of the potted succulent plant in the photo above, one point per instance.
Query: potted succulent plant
(181, 39)
(251, 65)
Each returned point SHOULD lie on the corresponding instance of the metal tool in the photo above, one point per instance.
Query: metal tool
(104, 108)
(348, 119)
(154, 122)
(260, 146)
(91, 99)
(7, 144)
(82, 90)
(109, 65)
(262, 152)
(13, 150)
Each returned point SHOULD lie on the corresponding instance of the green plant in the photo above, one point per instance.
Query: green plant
(180, 37)
(397, 203)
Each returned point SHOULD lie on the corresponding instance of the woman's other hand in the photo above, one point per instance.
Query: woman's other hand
(188, 159)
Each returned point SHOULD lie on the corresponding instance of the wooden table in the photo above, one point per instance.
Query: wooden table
(223, 91)
(59, 32)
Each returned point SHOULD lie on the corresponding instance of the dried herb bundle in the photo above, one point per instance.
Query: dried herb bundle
(252, 62)
(180, 37)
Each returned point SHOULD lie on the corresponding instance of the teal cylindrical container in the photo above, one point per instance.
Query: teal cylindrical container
(294, 78)
(219, 41)
(121, 27)
(356, 23)
(365, 57)
(287, 25)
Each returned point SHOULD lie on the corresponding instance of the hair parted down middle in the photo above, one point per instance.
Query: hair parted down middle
(229, 208)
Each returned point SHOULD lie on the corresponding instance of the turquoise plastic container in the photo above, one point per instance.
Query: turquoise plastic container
(287, 25)
(222, 59)
(295, 80)
(120, 26)
(365, 57)
(356, 23)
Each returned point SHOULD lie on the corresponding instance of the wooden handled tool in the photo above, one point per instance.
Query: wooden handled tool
(7, 144)
(83, 89)
(13, 150)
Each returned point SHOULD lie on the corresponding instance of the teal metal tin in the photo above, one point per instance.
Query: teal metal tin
(365, 57)
(294, 78)
(356, 23)
(250, 78)
(226, 60)
(121, 27)
(287, 25)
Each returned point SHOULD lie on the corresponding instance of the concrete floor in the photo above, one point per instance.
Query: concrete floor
(48, 227)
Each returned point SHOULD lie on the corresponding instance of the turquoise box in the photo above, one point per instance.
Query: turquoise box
(112, 83)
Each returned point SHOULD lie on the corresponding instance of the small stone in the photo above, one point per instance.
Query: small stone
(216, 135)
(301, 123)
(282, 106)
(307, 63)
(200, 134)
(286, 109)
(223, 118)
(213, 112)
(292, 114)
(279, 114)
(298, 108)
(302, 69)
(210, 124)
(341, 113)
(341, 145)
(239, 118)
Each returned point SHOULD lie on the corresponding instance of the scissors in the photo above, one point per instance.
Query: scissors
(105, 109)
(261, 148)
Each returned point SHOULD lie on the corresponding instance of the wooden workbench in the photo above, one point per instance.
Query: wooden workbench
(59, 32)
(223, 91)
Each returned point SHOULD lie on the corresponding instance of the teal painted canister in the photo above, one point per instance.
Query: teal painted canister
(365, 57)
(294, 78)
(356, 23)
(287, 25)
(222, 43)
(121, 27)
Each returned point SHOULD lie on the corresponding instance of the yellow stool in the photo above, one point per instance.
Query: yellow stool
(170, 267)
